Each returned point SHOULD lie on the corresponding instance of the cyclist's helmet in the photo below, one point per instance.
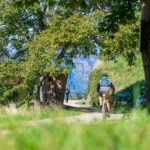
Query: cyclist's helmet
(105, 75)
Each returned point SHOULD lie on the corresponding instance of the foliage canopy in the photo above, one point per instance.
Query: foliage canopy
(42, 37)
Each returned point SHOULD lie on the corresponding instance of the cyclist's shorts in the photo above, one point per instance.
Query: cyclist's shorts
(107, 94)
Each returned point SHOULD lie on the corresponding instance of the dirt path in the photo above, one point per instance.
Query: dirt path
(90, 114)
(93, 113)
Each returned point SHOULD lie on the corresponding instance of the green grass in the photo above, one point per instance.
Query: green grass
(130, 134)
(122, 75)
(9, 119)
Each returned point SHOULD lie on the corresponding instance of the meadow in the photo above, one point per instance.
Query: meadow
(22, 131)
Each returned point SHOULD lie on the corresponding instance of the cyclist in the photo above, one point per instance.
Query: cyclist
(67, 94)
(103, 87)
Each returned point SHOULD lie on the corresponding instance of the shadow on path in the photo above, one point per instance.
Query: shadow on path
(74, 105)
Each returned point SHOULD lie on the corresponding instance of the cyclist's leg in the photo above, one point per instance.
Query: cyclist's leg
(107, 103)
(108, 106)
(100, 101)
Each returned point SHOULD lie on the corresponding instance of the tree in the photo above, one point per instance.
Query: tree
(53, 50)
(19, 20)
(40, 48)
(43, 36)
(118, 19)
(145, 45)
(123, 42)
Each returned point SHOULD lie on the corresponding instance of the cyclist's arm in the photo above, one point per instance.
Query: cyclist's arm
(98, 86)
(113, 88)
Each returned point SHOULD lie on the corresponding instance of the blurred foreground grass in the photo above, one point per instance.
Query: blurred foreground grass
(129, 134)
(12, 117)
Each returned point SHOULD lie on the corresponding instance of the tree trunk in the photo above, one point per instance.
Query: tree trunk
(39, 88)
(60, 88)
(52, 88)
(145, 46)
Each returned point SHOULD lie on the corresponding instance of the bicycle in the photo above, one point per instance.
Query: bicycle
(104, 107)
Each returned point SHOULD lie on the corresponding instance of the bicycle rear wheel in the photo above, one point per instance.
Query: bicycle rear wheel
(104, 111)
